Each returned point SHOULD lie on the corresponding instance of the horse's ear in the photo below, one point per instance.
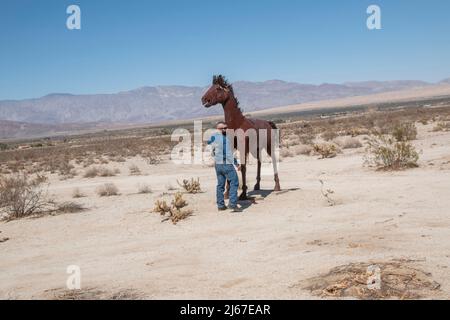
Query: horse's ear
(214, 81)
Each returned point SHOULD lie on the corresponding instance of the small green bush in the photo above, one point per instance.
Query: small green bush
(384, 152)
(406, 131)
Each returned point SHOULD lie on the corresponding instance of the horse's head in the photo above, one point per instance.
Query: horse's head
(219, 92)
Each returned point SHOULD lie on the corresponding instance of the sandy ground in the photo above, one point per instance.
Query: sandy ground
(264, 252)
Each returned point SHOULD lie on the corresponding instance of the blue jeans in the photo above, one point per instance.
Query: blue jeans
(226, 172)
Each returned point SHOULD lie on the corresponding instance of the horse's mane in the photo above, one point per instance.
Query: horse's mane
(222, 81)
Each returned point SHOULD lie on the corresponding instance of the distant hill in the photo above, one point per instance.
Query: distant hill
(164, 103)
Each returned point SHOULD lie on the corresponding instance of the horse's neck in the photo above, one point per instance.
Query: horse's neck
(233, 115)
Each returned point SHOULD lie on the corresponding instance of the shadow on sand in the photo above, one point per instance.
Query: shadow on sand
(255, 196)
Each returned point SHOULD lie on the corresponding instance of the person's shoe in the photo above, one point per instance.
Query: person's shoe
(236, 209)
(222, 208)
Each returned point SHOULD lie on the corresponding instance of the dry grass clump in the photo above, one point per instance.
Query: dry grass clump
(144, 188)
(442, 126)
(381, 280)
(348, 142)
(94, 294)
(192, 186)
(161, 207)
(178, 215)
(106, 172)
(22, 196)
(170, 187)
(152, 158)
(76, 193)
(91, 172)
(286, 153)
(100, 172)
(178, 202)
(303, 149)
(325, 150)
(108, 190)
(69, 207)
(291, 140)
(176, 211)
(134, 170)
(329, 135)
(385, 153)
(405, 131)
(354, 132)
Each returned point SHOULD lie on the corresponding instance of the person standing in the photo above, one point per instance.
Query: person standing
(225, 162)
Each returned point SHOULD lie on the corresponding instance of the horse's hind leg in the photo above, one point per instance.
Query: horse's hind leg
(275, 172)
(258, 175)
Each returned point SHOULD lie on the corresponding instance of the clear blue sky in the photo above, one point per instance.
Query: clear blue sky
(128, 44)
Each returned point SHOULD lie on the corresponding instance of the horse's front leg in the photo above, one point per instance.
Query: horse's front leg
(243, 195)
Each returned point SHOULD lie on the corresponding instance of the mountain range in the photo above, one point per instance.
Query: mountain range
(162, 103)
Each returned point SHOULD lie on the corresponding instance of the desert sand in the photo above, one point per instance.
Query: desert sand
(266, 252)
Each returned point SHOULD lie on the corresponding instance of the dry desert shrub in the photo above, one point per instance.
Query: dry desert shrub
(22, 196)
(134, 170)
(325, 150)
(354, 132)
(69, 207)
(396, 279)
(192, 186)
(303, 149)
(161, 207)
(92, 172)
(94, 294)
(99, 172)
(178, 215)
(76, 193)
(384, 152)
(329, 135)
(307, 138)
(442, 126)
(286, 153)
(178, 202)
(176, 211)
(348, 142)
(291, 140)
(170, 187)
(151, 158)
(106, 172)
(144, 188)
(405, 131)
(108, 190)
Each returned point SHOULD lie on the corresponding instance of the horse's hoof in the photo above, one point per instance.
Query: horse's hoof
(277, 188)
(243, 197)
(257, 187)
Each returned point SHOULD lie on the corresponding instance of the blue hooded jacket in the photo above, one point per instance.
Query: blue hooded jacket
(222, 149)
